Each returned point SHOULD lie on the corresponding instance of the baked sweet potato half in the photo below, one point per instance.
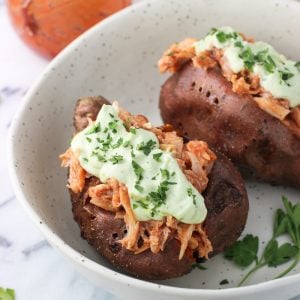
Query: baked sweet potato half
(164, 248)
(235, 111)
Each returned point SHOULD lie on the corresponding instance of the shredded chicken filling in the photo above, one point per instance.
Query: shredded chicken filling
(195, 160)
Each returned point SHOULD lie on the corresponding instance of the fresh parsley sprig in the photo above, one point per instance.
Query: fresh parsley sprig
(7, 294)
(244, 252)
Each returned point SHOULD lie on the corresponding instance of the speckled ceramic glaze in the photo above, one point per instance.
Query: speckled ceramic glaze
(117, 59)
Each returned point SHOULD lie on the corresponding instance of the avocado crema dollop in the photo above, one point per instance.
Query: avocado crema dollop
(156, 185)
(278, 75)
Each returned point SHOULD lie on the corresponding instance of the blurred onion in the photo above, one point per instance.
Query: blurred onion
(50, 25)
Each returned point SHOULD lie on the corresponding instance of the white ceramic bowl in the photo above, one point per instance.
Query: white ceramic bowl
(117, 59)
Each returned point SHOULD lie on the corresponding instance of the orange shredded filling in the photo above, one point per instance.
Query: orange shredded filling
(242, 83)
(195, 160)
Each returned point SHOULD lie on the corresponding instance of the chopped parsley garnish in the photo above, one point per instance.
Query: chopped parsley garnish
(134, 206)
(116, 159)
(213, 31)
(269, 64)
(297, 65)
(105, 129)
(127, 144)
(142, 204)
(100, 157)
(113, 126)
(147, 147)
(138, 170)
(248, 58)
(156, 156)
(261, 56)
(138, 188)
(165, 173)
(85, 159)
(88, 139)
(223, 36)
(238, 44)
(159, 197)
(96, 128)
(112, 116)
(132, 130)
(118, 144)
(191, 194)
(106, 143)
(285, 76)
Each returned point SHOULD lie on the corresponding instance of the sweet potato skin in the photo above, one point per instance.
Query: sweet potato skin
(225, 198)
(202, 105)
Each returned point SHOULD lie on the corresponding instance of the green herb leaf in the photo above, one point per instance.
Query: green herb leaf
(269, 64)
(143, 204)
(165, 173)
(100, 157)
(138, 188)
(297, 65)
(134, 206)
(156, 156)
(118, 144)
(280, 223)
(248, 58)
(243, 252)
(132, 130)
(279, 255)
(116, 159)
(113, 126)
(221, 36)
(96, 128)
(285, 76)
(213, 31)
(224, 281)
(238, 44)
(191, 194)
(7, 294)
(126, 144)
(296, 213)
(138, 170)
(285, 221)
(148, 147)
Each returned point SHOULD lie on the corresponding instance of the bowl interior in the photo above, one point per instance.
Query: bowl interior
(117, 59)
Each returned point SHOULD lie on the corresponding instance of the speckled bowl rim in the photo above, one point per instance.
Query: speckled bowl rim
(74, 255)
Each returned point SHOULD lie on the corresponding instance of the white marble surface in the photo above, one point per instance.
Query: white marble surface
(27, 263)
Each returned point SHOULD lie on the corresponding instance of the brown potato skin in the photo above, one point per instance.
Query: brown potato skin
(201, 104)
(225, 198)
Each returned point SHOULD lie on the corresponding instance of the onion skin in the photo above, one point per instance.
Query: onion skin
(47, 26)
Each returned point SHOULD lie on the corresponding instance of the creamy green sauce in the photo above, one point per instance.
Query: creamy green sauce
(278, 75)
(156, 184)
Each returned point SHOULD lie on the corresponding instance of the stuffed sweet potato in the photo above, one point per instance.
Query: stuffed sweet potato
(239, 96)
(116, 222)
